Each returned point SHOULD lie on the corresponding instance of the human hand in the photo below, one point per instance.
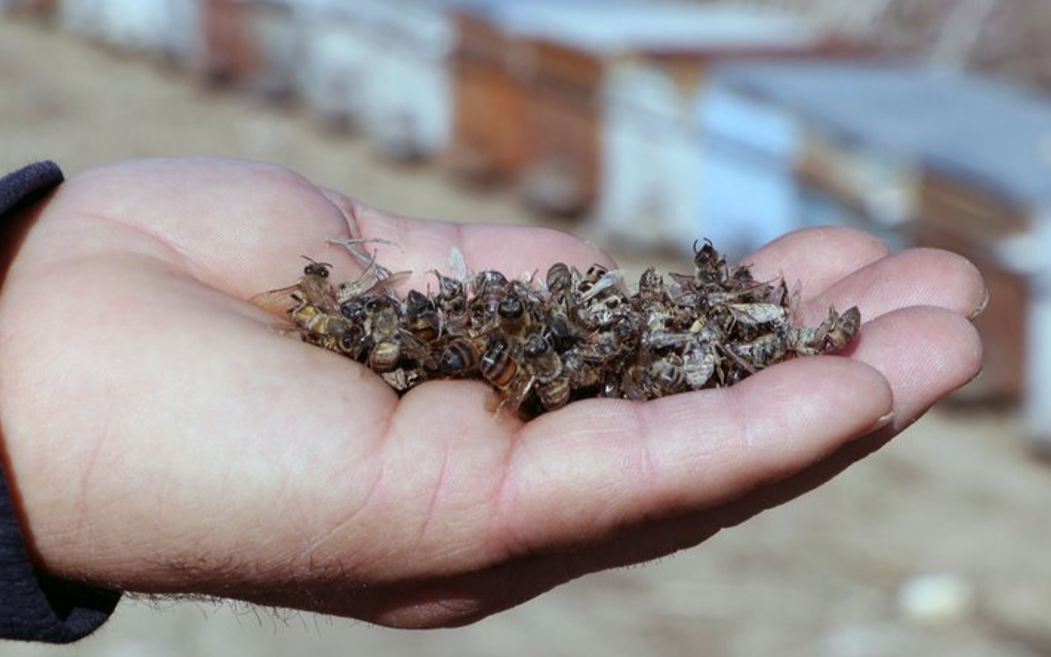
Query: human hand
(162, 438)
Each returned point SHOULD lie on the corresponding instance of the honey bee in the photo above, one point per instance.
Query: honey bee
(654, 376)
(667, 375)
(602, 311)
(421, 317)
(488, 290)
(699, 363)
(552, 381)
(597, 360)
(512, 314)
(313, 288)
(499, 366)
(710, 268)
(311, 305)
(560, 285)
(754, 314)
(461, 356)
(759, 353)
(452, 304)
(574, 335)
(831, 335)
(843, 328)
(382, 335)
(650, 289)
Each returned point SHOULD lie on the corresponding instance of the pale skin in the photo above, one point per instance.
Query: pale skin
(161, 437)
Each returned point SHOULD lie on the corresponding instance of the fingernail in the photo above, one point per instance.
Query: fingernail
(884, 420)
(981, 305)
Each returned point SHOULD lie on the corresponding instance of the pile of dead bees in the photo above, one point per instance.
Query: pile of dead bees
(543, 343)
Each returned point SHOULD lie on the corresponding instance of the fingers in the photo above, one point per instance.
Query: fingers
(613, 465)
(915, 277)
(594, 468)
(815, 258)
(924, 352)
(845, 267)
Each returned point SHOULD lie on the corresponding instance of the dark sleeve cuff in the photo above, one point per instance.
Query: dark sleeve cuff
(28, 184)
(34, 607)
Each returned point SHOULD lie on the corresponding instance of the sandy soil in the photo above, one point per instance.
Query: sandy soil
(824, 576)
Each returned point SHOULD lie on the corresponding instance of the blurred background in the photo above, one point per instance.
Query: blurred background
(642, 126)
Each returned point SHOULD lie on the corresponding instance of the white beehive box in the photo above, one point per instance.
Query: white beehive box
(652, 155)
(815, 143)
(412, 96)
(567, 54)
(411, 106)
(337, 65)
(650, 159)
(747, 193)
(925, 157)
(168, 28)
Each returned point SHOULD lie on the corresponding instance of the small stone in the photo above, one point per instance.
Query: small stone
(936, 599)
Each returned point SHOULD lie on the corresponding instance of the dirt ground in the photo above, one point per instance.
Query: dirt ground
(843, 572)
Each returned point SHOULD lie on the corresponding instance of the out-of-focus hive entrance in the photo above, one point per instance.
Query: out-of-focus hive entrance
(572, 335)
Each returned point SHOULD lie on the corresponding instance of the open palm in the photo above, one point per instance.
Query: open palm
(163, 438)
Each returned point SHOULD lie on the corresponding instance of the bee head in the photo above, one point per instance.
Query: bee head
(315, 268)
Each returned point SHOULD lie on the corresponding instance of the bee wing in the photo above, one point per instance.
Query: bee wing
(614, 279)
(278, 301)
(381, 284)
(795, 297)
(759, 313)
(679, 286)
(665, 339)
(387, 282)
(416, 349)
(458, 265)
(353, 245)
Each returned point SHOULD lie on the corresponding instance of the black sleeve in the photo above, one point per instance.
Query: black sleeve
(34, 607)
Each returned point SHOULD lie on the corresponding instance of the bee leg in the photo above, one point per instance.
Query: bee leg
(353, 246)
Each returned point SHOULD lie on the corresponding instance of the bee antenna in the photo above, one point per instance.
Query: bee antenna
(315, 262)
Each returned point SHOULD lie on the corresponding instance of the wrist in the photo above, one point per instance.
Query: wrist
(23, 195)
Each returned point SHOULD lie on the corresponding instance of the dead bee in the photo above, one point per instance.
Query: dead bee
(461, 357)
(541, 344)
(552, 381)
(699, 363)
(831, 335)
(487, 291)
(452, 303)
(421, 317)
(651, 289)
(843, 328)
(599, 359)
(710, 268)
(759, 353)
(513, 315)
(667, 375)
(755, 314)
(382, 335)
(500, 366)
(602, 309)
(313, 288)
(560, 285)
(311, 305)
